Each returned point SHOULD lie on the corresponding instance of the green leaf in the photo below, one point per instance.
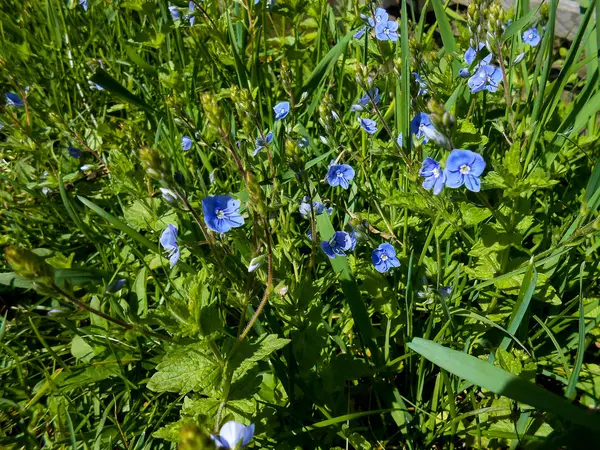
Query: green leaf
(446, 31)
(525, 294)
(187, 368)
(250, 352)
(502, 382)
(114, 87)
(326, 64)
(519, 24)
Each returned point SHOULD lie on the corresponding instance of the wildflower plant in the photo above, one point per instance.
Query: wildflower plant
(234, 225)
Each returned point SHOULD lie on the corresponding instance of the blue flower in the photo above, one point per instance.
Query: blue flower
(191, 17)
(340, 175)
(487, 77)
(532, 37)
(464, 167)
(13, 99)
(186, 143)
(84, 4)
(338, 245)
(74, 152)
(116, 286)
(303, 142)
(221, 213)
(360, 33)
(168, 195)
(384, 258)
(519, 58)
(464, 72)
(175, 13)
(281, 109)
(387, 31)
(168, 239)
(372, 95)
(422, 127)
(318, 208)
(233, 435)
(471, 54)
(369, 125)
(422, 85)
(381, 16)
(434, 175)
(262, 142)
(95, 86)
(400, 140)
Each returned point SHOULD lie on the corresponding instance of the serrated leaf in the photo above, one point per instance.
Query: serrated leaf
(187, 368)
(250, 352)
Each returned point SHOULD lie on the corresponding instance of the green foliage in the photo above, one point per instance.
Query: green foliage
(485, 337)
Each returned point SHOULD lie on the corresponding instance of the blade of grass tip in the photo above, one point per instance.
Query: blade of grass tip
(559, 84)
(325, 66)
(570, 392)
(561, 354)
(3, 326)
(240, 69)
(523, 300)
(72, 437)
(519, 24)
(501, 382)
(119, 225)
(405, 91)
(547, 50)
(445, 30)
(102, 78)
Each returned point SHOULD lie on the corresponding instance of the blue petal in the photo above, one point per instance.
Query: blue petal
(439, 184)
(360, 33)
(459, 158)
(388, 249)
(472, 183)
(326, 247)
(464, 72)
(477, 165)
(454, 179)
(394, 262)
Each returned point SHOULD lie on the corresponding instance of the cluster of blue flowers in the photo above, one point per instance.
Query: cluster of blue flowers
(462, 167)
(176, 13)
(385, 29)
(221, 214)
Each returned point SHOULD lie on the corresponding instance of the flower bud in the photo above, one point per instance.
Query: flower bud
(191, 437)
(257, 198)
(156, 167)
(211, 109)
(293, 153)
(27, 264)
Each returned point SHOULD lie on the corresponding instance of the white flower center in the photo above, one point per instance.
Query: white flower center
(530, 36)
(436, 172)
(464, 169)
(339, 174)
(220, 214)
(386, 31)
(384, 257)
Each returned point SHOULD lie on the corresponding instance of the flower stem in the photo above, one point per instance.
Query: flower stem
(119, 322)
(265, 298)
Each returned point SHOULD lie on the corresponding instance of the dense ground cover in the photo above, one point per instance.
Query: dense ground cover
(348, 227)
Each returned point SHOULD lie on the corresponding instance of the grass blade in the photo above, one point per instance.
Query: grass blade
(525, 294)
(502, 382)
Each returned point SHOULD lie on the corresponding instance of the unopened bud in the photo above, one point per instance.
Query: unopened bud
(211, 109)
(255, 192)
(27, 264)
(191, 437)
(156, 167)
